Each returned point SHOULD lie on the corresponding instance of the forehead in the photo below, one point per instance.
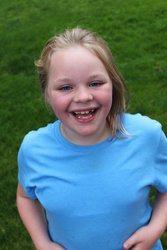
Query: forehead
(73, 52)
(75, 57)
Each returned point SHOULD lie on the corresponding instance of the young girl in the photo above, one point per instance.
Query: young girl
(91, 171)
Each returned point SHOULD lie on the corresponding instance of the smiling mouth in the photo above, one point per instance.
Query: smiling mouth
(84, 115)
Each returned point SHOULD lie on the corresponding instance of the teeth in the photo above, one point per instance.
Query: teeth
(84, 112)
(85, 117)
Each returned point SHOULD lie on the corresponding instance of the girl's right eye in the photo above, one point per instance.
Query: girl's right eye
(65, 88)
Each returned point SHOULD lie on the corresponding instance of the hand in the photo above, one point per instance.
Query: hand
(142, 239)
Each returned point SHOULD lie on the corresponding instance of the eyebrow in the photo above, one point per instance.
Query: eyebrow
(91, 77)
(63, 79)
(94, 76)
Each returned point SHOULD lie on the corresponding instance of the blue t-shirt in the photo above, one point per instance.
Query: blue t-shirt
(95, 196)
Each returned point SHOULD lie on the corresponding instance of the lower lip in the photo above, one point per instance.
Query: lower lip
(86, 120)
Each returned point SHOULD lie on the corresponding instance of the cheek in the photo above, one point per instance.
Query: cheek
(59, 104)
(107, 105)
(109, 98)
(106, 99)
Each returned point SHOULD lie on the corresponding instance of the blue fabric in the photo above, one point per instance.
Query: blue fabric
(96, 196)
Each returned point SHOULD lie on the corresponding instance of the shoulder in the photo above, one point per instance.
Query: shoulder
(40, 133)
(134, 123)
(40, 137)
(142, 127)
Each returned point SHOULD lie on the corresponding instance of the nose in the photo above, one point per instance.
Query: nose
(83, 95)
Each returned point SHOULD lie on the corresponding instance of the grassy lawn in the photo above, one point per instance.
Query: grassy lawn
(136, 32)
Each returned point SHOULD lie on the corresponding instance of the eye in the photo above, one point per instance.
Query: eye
(95, 84)
(65, 88)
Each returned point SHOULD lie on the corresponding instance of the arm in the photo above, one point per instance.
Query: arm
(33, 217)
(146, 237)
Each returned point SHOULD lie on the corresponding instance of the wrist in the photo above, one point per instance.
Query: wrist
(156, 230)
(43, 244)
(50, 246)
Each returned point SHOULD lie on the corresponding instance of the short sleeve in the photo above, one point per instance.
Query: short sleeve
(25, 173)
(160, 166)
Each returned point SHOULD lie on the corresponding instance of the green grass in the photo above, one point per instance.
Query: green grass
(136, 32)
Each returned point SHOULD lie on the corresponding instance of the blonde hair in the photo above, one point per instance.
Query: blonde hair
(91, 41)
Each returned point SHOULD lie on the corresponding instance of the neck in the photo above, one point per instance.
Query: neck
(85, 140)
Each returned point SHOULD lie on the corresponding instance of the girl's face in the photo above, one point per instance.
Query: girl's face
(80, 94)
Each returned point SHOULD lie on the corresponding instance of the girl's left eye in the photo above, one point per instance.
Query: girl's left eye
(95, 84)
